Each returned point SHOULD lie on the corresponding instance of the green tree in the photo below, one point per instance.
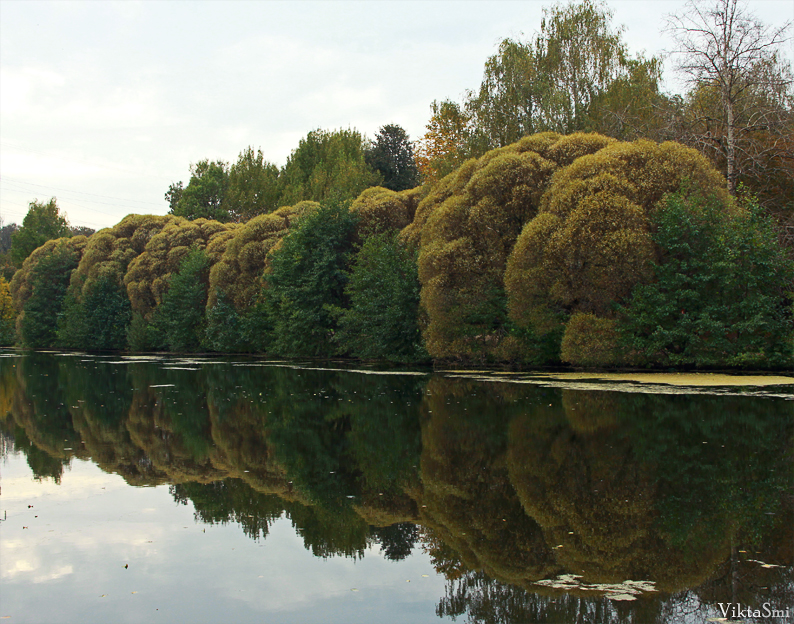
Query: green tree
(8, 314)
(253, 187)
(392, 155)
(382, 321)
(327, 166)
(47, 283)
(204, 194)
(307, 279)
(505, 108)
(576, 75)
(720, 294)
(181, 314)
(42, 223)
(99, 320)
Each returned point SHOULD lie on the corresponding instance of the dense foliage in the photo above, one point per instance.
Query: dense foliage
(383, 290)
(306, 282)
(719, 291)
(43, 222)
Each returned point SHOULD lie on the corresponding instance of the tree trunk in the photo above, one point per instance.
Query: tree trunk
(730, 149)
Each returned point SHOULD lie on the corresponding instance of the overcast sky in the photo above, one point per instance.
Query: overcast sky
(103, 105)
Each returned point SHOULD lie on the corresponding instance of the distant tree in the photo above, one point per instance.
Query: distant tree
(42, 223)
(6, 234)
(204, 194)
(392, 155)
(173, 195)
(81, 230)
(575, 75)
(444, 146)
(506, 106)
(327, 166)
(721, 45)
(253, 186)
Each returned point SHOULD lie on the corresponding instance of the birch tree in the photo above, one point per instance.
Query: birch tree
(720, 44)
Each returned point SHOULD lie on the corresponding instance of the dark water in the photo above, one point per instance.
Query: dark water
(176, 490)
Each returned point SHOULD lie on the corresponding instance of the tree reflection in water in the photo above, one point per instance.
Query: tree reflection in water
(504, 485)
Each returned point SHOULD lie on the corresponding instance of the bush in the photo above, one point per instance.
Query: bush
(590, 341)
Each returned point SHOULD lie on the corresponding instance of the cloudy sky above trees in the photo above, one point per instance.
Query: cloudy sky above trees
(103, 105)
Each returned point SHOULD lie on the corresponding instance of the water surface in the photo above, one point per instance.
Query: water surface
(219, 490)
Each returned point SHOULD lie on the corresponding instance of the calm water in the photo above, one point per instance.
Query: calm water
(218, 490)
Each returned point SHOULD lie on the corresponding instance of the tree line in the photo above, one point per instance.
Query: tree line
(564, 245)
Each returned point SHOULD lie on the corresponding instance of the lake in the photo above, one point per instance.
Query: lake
(170, 489)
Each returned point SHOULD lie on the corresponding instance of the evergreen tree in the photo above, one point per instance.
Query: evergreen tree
(181, 314)
(382, 321)
(307, 282)
(392, 155)
(721, 293)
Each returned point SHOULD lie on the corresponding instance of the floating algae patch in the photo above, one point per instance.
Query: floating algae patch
(679, 379)
(627, 590)
(765, 386)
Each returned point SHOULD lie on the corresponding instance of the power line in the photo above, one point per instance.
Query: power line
(54, 188)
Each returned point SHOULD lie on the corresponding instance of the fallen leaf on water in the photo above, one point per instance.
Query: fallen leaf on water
(425, 575)
(103, 595)
(133, 592)
(354, 589)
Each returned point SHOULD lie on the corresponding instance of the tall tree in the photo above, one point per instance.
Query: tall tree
(392, 155)
(505, 107)
(576, 74)
(327, 165)
(721, 45)
(253, 186)
(42, 223)
(444, 146)
(204, 194)
(578, 54)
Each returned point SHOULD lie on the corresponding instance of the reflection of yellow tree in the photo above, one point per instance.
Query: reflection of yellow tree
(239, 431)
(177, 447)
(467, 498)
(8, 384)
(595, 500)
(99, 404)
